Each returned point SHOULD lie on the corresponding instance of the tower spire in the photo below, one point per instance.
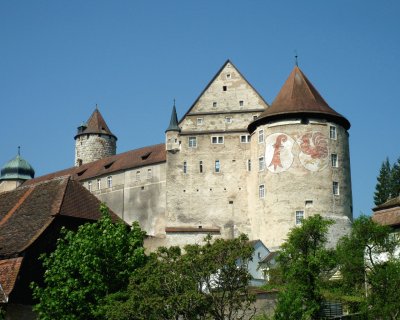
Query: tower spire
(173, 123)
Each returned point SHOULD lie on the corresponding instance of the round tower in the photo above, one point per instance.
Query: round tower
(172, 142)
(301, 148)
(94, 140)
(15, 172)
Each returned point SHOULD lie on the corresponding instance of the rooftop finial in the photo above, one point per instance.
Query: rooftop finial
(174, 102)
(97, 107)
(19, 150)
(295, 58)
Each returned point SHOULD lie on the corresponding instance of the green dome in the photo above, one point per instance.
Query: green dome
(17, 169)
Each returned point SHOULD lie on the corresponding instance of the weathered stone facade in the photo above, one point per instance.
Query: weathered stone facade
(92, 147)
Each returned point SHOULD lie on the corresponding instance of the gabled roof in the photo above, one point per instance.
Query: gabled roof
(26, 212)
(9, 269)
(128, 160)
(388, 213)
(96, 124)
(298, 97)
(213, 79)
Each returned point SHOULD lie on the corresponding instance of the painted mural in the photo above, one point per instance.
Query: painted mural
(278, 152)
(313, 151)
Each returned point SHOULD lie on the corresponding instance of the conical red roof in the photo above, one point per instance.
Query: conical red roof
(298, 97)
(96, 124)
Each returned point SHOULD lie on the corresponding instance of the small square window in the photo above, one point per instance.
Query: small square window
(335, 188)
(137, 175)
(192, 142)
(261, 136)
(149, 174)
(199, 121)
(217, 166)
(255, 117)
(217, 140)
(309, 203)
(261, 191)
(241, 103)
(334, 160)
(299, 217)
(228, 120)
(109, 182)
(214, 104)
(90, 185)
(261, 164)
(228, 76)
(245, 138)
(224, 88)
(98, 184)
(332, 132)
(248, 165)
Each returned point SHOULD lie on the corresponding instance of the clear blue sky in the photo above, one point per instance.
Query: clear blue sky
(59, 58)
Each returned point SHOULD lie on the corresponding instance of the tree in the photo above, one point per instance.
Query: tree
(87, 265)
(370, 268)
(383, 187)
(207, 282)
(395, 177)
(304, 262)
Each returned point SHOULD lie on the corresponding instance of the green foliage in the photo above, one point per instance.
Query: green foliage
(388, 185)
(88, 264)
(369, 278)
(2, 312)
(305, 263)
(206, 282)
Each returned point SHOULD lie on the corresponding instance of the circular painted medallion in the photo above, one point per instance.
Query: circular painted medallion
(278, 152)
(313, 150)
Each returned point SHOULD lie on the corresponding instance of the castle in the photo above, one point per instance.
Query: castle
(232, 164)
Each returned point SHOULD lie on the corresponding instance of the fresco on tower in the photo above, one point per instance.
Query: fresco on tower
(278, 152)
(313, 151)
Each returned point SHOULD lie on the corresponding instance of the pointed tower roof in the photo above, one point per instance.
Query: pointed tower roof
(96, 124)
(299, 98)
(173, 123)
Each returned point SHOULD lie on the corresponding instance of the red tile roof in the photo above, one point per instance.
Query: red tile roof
(96, 124)
(27, 211)
(388, 213)
(128, 160)
(9, 269)
(298, 97)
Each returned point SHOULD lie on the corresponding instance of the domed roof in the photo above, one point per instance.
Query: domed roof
(299, 98)
(17, 169)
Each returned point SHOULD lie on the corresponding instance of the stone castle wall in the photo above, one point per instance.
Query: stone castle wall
(92, 147)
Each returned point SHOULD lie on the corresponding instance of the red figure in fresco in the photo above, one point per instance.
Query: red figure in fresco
(276, 158)
(319, 147)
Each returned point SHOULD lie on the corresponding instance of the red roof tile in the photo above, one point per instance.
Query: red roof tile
(96, 124)
(299, 97)
(9, 270)
(128, 160)
(26, 212)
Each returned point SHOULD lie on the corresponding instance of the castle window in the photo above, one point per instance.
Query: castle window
(261, 136)
(109, 182)
(199, 121)
(149, 174)
(214, 104)
(192, 142)
(248, 165)
(217, 140)
(228, 76)
(334, 160)
(90, 185)
(98, 184)
(261, 191)
(332, 132)
(201, 166)
(224, 88)
(241, 103)
(137, 175)
(79, 162)
(184, 167)
(245, 138)
(261, 163)
(309, 203)
(299, 217)
(228, 120)
(335, 188)
(217, 166)
(255, 117)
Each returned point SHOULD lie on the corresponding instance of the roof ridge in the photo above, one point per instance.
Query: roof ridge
(17, 205)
